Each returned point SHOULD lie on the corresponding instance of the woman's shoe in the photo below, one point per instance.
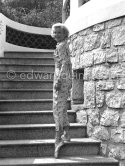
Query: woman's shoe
(65, 138)
(57, 148)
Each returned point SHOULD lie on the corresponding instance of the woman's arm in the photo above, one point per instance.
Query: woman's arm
(66, 68)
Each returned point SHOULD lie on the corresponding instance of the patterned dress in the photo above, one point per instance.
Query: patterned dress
(63, 73)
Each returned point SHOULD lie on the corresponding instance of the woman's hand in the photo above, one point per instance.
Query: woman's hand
(57, 86)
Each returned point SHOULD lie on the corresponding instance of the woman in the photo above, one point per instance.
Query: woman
(62, 85)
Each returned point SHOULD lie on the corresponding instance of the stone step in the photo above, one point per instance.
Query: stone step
(27, 60)
(26, 75)
(27, 105)
(26, 94)
(28, 54)
(37, 131)
(31, 117)
(45, 148)
(26, 84)
(28, 67)
(93, 160)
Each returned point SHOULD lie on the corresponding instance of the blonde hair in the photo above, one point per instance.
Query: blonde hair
(62, 26)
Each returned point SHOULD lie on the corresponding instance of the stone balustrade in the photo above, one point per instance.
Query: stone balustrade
(11, 34)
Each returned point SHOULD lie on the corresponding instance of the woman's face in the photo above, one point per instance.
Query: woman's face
(58, 34)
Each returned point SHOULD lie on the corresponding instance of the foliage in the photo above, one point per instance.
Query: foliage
(38, 13)
(29, 4)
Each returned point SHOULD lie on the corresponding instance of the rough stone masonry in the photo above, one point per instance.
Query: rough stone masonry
(98, 97)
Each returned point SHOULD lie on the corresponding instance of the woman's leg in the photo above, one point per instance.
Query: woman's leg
(57, 114)
(60, 118)
(58, 142)
(58, 137)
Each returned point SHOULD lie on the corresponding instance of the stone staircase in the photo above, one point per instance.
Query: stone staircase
(26, 119)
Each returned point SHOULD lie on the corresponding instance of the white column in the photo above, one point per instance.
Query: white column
(63, 11)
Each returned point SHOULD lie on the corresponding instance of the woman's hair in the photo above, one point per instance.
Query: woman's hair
(62, 26)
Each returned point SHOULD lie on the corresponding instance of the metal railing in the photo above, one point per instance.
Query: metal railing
(30, 40)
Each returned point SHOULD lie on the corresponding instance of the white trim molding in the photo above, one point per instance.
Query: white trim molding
(94, 12)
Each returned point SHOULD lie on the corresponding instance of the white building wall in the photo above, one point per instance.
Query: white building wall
(93, 12)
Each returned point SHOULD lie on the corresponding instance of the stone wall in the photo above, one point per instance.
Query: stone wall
(98, 97)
